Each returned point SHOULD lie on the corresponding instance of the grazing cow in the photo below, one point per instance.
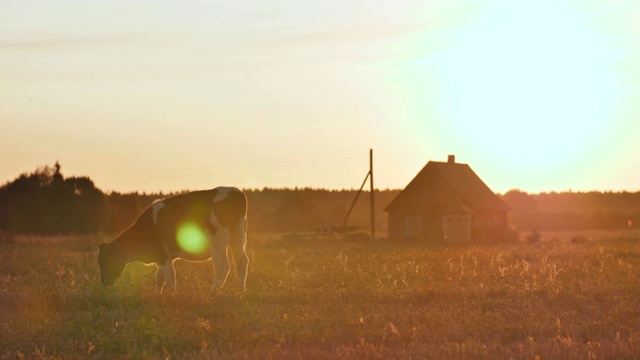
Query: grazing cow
(193, 226)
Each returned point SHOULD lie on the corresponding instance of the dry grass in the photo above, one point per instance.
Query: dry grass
(589, 235)
(328, 299)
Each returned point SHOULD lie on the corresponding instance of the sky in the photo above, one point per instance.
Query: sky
(185, 95)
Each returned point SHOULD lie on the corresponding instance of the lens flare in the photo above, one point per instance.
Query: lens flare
(191, 238)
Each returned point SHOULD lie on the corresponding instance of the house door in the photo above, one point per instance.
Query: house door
(456, 228)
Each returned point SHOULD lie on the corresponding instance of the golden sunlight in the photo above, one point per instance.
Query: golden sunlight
(542, 99)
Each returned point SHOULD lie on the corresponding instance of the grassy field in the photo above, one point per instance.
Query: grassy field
(326, 299)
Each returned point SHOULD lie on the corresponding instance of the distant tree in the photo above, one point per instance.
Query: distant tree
(337, 214)
(87, 204)
(524, 209)
(297, 214)
(121, 210)
(57, 176)
(45, 202)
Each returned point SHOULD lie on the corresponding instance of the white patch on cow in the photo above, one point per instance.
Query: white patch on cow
(222, 193)
(155, 208)
(213, 219)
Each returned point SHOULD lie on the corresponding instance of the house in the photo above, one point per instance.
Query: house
(447, 201)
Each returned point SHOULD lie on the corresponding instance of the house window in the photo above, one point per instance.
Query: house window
(413, 225)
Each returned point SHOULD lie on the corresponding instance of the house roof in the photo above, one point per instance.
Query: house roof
(468, 187)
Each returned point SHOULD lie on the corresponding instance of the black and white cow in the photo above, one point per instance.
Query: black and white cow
(193, 226)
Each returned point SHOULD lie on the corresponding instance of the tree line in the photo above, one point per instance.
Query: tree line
(47, 202)
(573, 210)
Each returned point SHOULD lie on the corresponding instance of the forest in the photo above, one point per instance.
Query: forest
(48, 203)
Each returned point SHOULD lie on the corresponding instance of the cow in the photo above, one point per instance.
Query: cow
(194, 226)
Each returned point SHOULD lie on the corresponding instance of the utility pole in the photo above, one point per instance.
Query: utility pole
(373, 217)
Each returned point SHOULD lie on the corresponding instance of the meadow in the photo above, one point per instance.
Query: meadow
(329, 298)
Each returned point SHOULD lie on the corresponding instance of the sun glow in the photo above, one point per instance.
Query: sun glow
(191, 238)
(521, 86)
(532, 87)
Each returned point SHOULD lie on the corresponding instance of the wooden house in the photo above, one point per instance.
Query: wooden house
(447, 201)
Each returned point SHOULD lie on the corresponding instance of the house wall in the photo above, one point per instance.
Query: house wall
(396, 221)
(485, 225)
(456, 228)
(430, 224)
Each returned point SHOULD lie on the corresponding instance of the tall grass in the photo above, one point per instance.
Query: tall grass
(327, 299)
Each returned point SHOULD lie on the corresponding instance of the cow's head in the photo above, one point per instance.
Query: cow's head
(111, 263)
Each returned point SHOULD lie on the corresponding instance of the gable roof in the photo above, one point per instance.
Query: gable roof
(469, 188)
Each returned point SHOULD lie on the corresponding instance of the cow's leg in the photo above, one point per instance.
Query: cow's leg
(219, 244)
(169, 274)
(239, 248)
(159, 280)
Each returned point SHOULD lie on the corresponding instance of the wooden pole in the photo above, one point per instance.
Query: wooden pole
(344, 222)
(373, 218)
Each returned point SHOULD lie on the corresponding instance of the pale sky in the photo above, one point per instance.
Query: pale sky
(539, 95)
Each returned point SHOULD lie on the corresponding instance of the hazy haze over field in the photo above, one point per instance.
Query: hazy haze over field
(164, 95)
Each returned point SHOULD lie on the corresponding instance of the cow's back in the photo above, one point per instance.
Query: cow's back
(228, 205)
